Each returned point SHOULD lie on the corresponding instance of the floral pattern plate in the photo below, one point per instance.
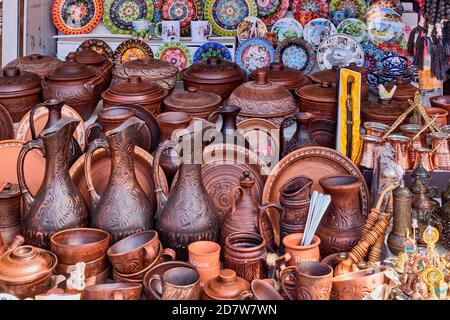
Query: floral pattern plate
(76, 16)
(339, 50)
(307, 10)
(254, 53)
(372, 57)
(287, 28)
(296, 53)
(176, 54)
(183, 10)
(98, 46)
(270, 11)
(355, 28)
(212, 49)
(132, 50)
(385, 25)
(318, 30)
(225, 15)
(157, 9)
(119, 14)
(352, 8)
(251, 27)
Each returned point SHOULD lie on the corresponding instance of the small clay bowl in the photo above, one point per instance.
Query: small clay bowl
(79, 245)
(441, 119)
(113, 291)
(93, 268)
(99, 278)
(118, 278)
(264, 291)
(134, 253)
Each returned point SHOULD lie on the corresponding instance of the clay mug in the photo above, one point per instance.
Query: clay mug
(205, 257)
(200, 31)
(301, 253)
(168, 30)
(208, 273)
(313, 281)
(179, 283)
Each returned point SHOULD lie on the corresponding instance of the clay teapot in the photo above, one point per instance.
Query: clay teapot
(36, 63)
(302, 136)
(97, 62)
(123, 209)
(227, 286)
(58, 204)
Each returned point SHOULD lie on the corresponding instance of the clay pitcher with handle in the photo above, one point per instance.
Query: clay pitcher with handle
(58, 205)
(123, 209)
(302, 136)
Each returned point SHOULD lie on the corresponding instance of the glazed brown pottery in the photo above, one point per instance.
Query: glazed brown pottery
(302, 136)
(214, 75)
(135, 252)
(301, 253)
(295, 198)
(113, 291)
(79, 245)
(264, 291)
(208, 273)
(289, 282)
(400, 144)
(195, 102)
(404, 92)
(179, 283)
(441, 154)
(27, 271)
(10, 212)
(97, 62)
(204, 254)
(402, 219)
(442, 115)
(92, 268)
(99, 278)
(74, 83)
(227, 286)
(122, 209)
(36, 63)
(19, 91)
(58, 205)
(442, 102)
(375, 129)
(313, 281)
(384, 111)
(263, 99)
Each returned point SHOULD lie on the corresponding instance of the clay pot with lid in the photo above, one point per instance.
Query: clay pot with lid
(10, 213)
(19, 91)
(39, 64)
(195, 102)
(214, 75)
(227, 286)
(75, 84)
(97, 62)
(404, 92)
(263, 99)
(384, 110)
(136, 90)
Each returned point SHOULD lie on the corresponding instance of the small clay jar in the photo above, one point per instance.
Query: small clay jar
(97, 62)
(227, 286)
(36, 63)
(195, 102)
(10, 218)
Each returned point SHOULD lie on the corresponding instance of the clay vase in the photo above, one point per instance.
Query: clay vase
(295, 198)
(302, 136)
(58, 204)
(229, 132)
(340, 228)
(301, 253)
(123, 209)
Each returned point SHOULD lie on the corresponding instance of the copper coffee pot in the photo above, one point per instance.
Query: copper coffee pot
(418, 138)
(400, 144)
(367, 156)
(424, 155)
(441, 152)
(376, 129)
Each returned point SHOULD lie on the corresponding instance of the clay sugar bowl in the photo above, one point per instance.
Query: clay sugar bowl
(113, 291)
(227, 286)
(39, 64)
(195, 102)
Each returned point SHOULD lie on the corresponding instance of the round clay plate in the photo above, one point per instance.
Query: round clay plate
(40, 120)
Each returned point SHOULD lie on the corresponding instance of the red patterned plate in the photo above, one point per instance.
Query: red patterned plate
(270, 11)
(132, 50)
(306, 10)
(77, 16)
(98, 46)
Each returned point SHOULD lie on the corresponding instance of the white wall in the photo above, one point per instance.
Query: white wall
(10, 31)
(39, 28)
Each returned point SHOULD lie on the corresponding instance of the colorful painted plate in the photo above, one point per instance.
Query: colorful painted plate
(372, 57)
(296, 53)
(98, 46)
(390, 4)
(225, 15)
(77, 16)
(355, 28)
(352, 8)
(212, 49)
(307, 10)
(287, 28)
(254, 53)
(385, 25)
(176, 54)
(183, 10)
(119, 14)
(339, 50)
(157, 10)
(270, 11)
(318, 30)
(390, 49)
(132, 50)
(251, 27)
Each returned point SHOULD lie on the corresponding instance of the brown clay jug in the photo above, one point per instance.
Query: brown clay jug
(229, 132)
(58, 204)
(123, 209)
(302, 136)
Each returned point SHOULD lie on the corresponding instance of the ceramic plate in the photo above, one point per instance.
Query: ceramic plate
(98, 46)
(390, 4)
(254, 53)
(157, 10)
(339, 50)
(225, 15)
(372, 57)
(287, 28)
(76, 16)
(212, 49)
(352, 8)
(118, 14)
(270, 11)
(183, 10)
(176, 54)
(318, 30)
(385, 25)
(132, 50)
(390, 49)
(296, 53)
(250, 27)
(6, 125)
(355, 28)
(307, 10)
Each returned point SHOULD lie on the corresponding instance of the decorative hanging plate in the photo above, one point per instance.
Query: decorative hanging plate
(212, 49)
(119, 14)
(339, 50)
(307, 10)
(390, 4)
(132, 50)
(254, 53)
(352, 8)
(250, 27)
(225, 15)
(296, 53)
(270, 11)
(183, 10)
(372, 57)
(355, 28)
(176, 53)
(385, 25)
(287, 28)
(318, 30)
(76, 16)
(157, 7)
(98, 46)
(391, 49)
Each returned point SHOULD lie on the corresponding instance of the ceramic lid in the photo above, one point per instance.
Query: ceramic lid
(90, 57)
(226, 286)
(214, 69)
(13, 80)
(323, 92)
(404, 90)
(146, 68)
(9, 190)
(382, 109)
(71, 70)
(134, 89)
(34, 62)
(288, 77)
(192, 99)
(329, 75)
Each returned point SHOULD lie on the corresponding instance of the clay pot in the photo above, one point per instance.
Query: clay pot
(442, 102)
(441, 119)
(195, 102)
(208, 273)
(214, 75)
(97, 62)
(302, 136)
(264, 291)
(384, 111)
(227, 286)
(10, 212)
(204, 254)
(179, 283)
(19, 92)
(301, 253)
(36, 63)
(113, 291)
(79, 245)
(92, 268)
(404, 92)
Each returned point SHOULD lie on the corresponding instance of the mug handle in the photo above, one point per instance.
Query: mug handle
(156, 30)
(246, 295)
(289, 273)
(210, 31)
(168, 255)
(155, 293)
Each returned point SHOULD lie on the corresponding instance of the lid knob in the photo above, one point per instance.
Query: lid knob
(214, 61)
(277, 66)
(325, 84)
(11, 72)
(261, 77)
(35, 56)
(24, 252)
(227, 275)
(192, 89)
(71, 57)
(134, 79)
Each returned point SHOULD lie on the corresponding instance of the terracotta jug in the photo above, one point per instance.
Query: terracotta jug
(58, 204)
(188, 213)
(229, 131)
(302, 136)
(123, 209)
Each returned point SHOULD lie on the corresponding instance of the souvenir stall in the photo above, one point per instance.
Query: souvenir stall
(225, 150)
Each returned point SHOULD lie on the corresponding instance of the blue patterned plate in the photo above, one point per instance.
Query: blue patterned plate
(318, 30)
(296, 53)
(254, 53)
(212, 49)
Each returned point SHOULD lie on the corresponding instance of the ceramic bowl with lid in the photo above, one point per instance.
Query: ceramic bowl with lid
(39, 64)
(227, 286)
(404, 92)
(195, 102)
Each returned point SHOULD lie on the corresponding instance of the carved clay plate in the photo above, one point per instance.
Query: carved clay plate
(250, 27)
(176, 53)
(183, 10)
(385, 25)
(352, 8)
(98, 46)
(132, 50)
(297, 54)
(254, 53)
(307, 10)
(287, 28)
(316, 163)
(355, 28)
(270, 11)
(318, 30)
(119, 14)
(212, 49)
(339, 50)
(6, 125)
(76, 16)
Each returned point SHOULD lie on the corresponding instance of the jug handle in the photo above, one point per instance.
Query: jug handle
(246, 295)
(96, 144)
(27, 197)
(88, 135)
(233, 198)
(32, 112)
(282, 139)
(263, 211)
(155, 293)
(212, 114)
(291, 273)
